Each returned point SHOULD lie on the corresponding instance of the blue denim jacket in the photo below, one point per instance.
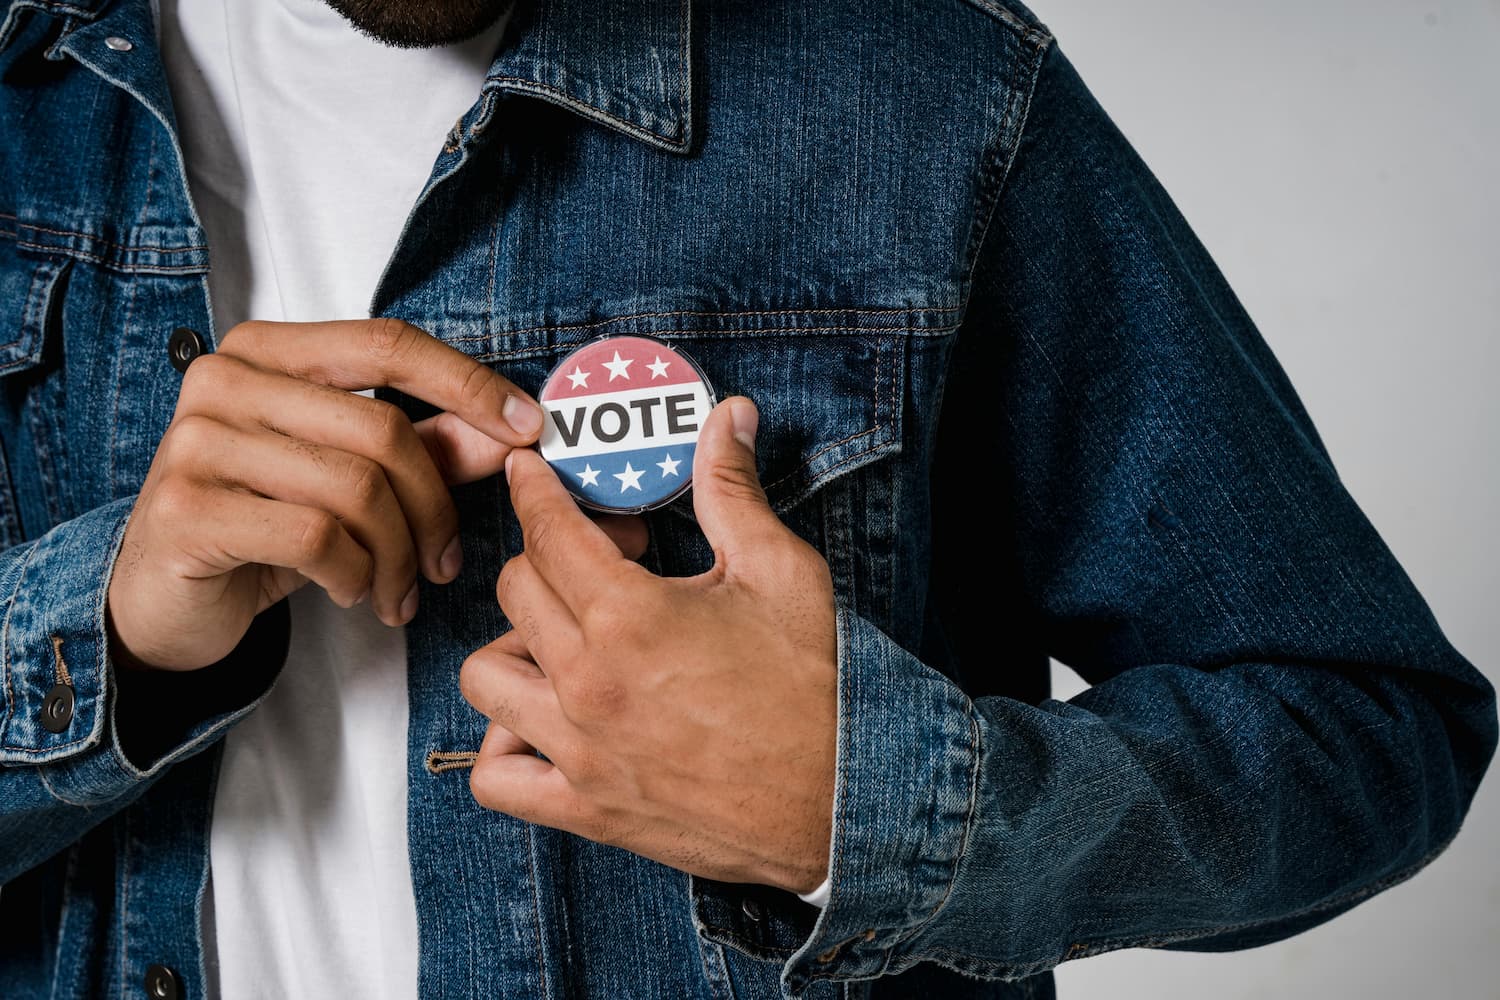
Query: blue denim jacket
(1003, 389)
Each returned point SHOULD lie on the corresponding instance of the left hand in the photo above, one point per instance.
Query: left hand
(690, 720)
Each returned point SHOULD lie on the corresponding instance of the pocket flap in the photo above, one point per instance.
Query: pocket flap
(28, 295)
(829, 402)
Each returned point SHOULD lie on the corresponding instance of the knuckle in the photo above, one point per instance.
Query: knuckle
(477, 383)
(542, 533)
(470, 675)
(505, 583)
(366, 481)
(241, 337)
(206, 381)
(174, 501)
(740, 484)
(620, 618)
(387, 338)
(193, 435)
(483, 786)
(389, 427)
(317, 536)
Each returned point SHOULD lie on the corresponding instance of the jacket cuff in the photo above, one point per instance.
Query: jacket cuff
(906, 767)
(64, 706)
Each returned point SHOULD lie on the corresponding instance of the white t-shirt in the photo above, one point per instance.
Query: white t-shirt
(306, 145)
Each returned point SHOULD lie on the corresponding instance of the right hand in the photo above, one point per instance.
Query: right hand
(272, 474)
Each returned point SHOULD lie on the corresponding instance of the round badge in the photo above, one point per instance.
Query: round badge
(622, 421)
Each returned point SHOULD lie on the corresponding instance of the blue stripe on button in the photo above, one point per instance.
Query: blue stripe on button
(655, 485)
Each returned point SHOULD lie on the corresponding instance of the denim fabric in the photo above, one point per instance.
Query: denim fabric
(1003, 389)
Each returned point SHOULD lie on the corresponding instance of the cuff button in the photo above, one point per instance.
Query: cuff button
(57, 708)
(162, 983)
(183, 346)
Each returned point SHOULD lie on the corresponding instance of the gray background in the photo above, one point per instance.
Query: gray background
(1341, 161)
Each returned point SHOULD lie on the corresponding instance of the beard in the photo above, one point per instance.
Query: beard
(420, 24)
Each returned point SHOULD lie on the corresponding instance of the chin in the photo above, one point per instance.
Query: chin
(419, 24)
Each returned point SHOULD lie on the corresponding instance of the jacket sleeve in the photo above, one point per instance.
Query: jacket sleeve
(1277, 727)
(79, 742)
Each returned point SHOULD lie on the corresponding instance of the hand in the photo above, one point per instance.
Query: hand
(272, 474)
(690, 720)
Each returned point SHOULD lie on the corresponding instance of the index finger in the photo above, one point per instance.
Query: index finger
(371, 353)
(570, 551)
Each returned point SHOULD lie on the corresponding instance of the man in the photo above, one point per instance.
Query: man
(988, 401)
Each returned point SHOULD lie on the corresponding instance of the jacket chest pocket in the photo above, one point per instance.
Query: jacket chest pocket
(830, 412)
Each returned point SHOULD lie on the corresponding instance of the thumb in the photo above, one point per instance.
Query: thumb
(727, 497)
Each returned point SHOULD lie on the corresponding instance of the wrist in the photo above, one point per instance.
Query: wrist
(119, 653)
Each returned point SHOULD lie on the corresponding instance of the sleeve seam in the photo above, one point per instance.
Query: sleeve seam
(997, 168)
(968, 825)
(10, 604)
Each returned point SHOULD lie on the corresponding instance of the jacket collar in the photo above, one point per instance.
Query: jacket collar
(624, 63)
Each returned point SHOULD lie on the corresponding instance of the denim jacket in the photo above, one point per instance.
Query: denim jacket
(1003, 389)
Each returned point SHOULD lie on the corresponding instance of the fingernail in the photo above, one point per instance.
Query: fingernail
(409, 605)
(361, 598)
(522, 414)
(508, 457)
(745, 418)
(452, 559)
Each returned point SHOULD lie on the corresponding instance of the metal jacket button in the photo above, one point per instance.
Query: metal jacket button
(57, 708)
(183, 346)
(754, 909)
(162, 983)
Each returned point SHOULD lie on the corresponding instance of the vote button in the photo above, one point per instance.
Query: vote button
(622, 416)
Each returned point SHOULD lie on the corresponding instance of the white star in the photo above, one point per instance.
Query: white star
(617, 367)
(589, 475)
(659, 367)
(630, 479)
(669, 467)
(579, 378)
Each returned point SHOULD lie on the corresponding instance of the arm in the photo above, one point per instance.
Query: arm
(1278, 727)
(116, 730)
(268, 477)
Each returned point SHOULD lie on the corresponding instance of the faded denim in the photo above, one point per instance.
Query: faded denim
(982, 340)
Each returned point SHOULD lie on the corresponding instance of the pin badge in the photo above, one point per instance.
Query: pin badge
(622, 416)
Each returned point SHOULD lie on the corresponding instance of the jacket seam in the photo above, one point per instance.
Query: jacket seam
(10, 604)
(1028, 32)
(41, 773)
(716, 333)
(963, 843)
(1019, 120)
(33, 315)
(847, 310)
(111, 262)
(126, 247)
(879, 426)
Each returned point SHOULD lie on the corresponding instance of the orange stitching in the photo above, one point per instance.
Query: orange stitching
(712, 333)
(101, 239)
(721, 312)
(62, 665)
(439, 761)
(107, 261)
